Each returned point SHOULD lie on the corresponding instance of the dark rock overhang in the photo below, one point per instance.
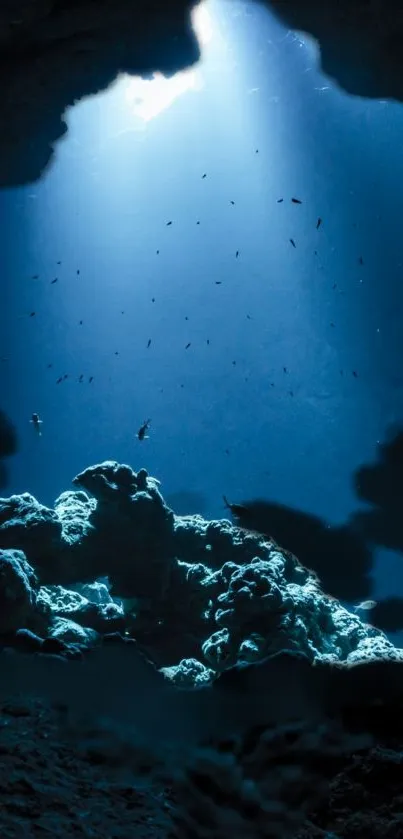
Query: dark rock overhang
(54, 52)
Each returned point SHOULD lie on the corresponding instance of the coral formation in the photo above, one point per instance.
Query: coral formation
(199, 596)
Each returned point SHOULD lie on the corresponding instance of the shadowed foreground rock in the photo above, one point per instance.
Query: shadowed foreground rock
(182, 679)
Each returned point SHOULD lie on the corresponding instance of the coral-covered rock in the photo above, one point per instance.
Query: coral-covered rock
(199, 596)
(31, 527)
(18, 591)
(69, 632)
(130, 506)
(71, 605)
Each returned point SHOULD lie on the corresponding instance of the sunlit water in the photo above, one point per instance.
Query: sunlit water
(273, 369)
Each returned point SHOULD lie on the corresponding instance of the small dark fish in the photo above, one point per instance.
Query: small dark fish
(331, 323)
(318, 223)
(153, 300)
(360, 260)
(285, 369)
(355, 374)
(78, 270)
(188, 345)
(280, 200)
(80, 378)
(293, 243)
(49, 366)
(59, 263)
(60, 379)
(291, 392)
(122, 312)
(233, 203)
(236, 255)
(91, 379)
(149, 343)
(256, 151)
(236, 509)
(168, 223)
(80, 323)
(197, 222)
(116, 352)
(234, 363)
(66, 376)
(296, 201)
(334, 286)
(218, 282)
(142, 432)
(32, 314)
(248, 317)
(52, 282)
(157, 252)
(35, 277)
(204, 176)
(208, 341)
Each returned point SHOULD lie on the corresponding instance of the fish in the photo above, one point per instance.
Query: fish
(149, 343)
(204, 176)
(296, 201)
(318, 223)
(168, 223)
(237, 254)
(52, 282)
(187, 346)
(293, 243)
(142, 432)
(236, 509)
(365, 606)
(36, 422)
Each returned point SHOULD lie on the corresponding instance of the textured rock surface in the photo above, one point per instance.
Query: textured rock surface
(54, 53)
(18, 591)
(267, 783)
(199, 596)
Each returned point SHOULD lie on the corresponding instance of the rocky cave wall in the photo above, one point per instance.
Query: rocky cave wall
(54, 53)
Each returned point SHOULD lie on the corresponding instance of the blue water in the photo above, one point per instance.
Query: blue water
(264, 402)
